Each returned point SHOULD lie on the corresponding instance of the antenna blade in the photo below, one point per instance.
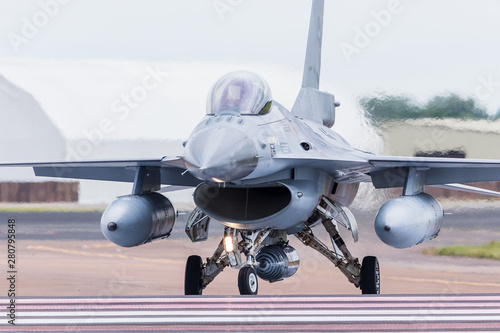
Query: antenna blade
(312, 64)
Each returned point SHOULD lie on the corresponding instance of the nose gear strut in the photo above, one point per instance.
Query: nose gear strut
(199, 275)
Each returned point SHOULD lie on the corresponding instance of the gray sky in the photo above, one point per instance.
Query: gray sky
(421, 47)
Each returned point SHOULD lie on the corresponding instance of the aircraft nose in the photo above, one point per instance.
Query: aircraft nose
(220, 154)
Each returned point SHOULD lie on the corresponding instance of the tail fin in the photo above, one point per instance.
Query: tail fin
(312, 65)
(311, 103)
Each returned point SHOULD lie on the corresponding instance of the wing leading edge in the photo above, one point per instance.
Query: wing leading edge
(166, 170)
(391, 171)
(394, 171)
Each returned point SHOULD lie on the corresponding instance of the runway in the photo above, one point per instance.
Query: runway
(401, 313)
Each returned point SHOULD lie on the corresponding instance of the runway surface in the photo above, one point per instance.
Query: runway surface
(64, 254)
(402, 313)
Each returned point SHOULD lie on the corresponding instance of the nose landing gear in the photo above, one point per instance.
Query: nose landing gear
(199, 275)
(247, 281)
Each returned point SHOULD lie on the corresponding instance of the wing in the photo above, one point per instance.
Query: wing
(394, 171)
(146, 174)
(389, 171)
(470, 189)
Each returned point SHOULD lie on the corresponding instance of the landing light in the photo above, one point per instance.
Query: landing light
(228, 244)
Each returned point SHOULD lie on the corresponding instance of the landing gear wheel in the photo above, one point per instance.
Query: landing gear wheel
(193, 277)
(247, 281)
(370, 276)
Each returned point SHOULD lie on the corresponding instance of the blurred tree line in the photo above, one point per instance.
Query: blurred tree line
(391, 107)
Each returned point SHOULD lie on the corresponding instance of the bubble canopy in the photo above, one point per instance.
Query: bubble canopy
(239, 93)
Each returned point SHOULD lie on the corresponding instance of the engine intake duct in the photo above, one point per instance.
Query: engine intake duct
(277, 262)
(241, 204)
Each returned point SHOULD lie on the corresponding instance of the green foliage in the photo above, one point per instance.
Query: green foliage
(497, 115)
(389, 107)
(490, 251)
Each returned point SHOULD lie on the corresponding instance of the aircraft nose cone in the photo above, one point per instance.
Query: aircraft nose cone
(220, 154)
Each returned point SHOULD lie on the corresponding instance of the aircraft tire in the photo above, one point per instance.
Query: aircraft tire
(370, 276)
(193, 276)
(247, 281)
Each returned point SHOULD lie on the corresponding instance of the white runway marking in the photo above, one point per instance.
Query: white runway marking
(285, 313)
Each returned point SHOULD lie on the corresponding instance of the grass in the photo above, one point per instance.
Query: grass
(489, 251)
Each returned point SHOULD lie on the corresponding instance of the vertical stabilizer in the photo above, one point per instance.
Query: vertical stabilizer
(311, 103)
(312, 65)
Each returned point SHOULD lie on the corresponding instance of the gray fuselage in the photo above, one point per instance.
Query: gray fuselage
(257, 171)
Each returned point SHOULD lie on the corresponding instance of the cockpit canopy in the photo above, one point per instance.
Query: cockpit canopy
(239, 93)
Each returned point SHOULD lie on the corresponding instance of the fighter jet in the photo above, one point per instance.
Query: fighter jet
(267, 174)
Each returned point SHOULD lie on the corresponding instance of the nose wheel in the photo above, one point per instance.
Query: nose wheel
(247, 281)
(199, 275)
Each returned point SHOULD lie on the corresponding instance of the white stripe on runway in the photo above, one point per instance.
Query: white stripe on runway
(257, 319)
(265, 313)
(261, 313)
(245, 299)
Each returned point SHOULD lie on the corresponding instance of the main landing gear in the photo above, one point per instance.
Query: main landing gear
(365, 276)
(269, 257)
(193, 280)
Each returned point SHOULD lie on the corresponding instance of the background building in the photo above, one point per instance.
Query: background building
(478, 139)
